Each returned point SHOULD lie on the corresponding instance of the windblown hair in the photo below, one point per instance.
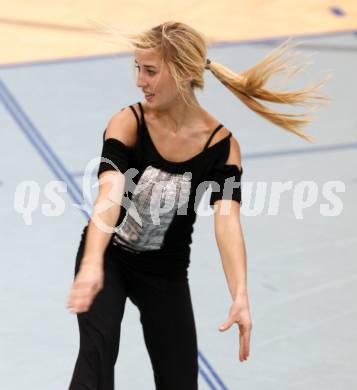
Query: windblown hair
(184, 50)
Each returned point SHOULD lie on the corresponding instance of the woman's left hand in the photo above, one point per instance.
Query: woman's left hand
(239, 313)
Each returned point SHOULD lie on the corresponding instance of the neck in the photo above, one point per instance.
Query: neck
(177, 113)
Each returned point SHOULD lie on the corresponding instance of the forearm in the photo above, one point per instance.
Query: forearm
(232, 249)
(104, 217)
(98, 238)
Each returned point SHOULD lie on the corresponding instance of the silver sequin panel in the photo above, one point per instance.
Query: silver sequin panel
(155, 200)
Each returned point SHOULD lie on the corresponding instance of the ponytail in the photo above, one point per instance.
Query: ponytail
(249, 85)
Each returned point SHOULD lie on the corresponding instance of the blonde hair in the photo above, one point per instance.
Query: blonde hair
(184, 50)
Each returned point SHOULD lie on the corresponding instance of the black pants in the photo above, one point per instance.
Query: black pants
(167, 320)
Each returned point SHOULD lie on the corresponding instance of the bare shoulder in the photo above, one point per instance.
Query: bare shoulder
(234, 156)
(220, 134)
(211, 122)
(234, 147)
(123, 127)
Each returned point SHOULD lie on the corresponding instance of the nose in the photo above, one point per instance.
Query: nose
(140, 80)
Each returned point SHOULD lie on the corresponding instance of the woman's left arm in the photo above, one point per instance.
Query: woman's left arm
(230, 242)
(231, 245)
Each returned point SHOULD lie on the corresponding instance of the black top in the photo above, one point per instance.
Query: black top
(158, 208)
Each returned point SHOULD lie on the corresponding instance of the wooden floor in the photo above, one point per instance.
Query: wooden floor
(301, 264)
(40, 30)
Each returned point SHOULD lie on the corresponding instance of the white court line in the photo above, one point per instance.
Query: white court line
(319, 288)
(328, 376)
(312, 290)
(305, 328)
(332, 243)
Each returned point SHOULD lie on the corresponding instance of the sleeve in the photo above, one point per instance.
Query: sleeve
(226, 183)
(115, 155)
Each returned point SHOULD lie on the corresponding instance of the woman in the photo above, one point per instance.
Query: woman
(141, 250)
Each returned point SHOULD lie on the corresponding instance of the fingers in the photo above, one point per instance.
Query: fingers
(231, 320)
(81, 297)
(227, 324)
(244, 341)
(88, 282)
(244, 348)
(79, 306)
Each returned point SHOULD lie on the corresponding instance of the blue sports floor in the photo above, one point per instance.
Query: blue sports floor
(302, 264)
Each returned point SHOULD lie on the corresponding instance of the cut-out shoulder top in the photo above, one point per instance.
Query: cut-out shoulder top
(159, 206)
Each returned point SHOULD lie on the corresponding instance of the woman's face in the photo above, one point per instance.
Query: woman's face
(153, 77)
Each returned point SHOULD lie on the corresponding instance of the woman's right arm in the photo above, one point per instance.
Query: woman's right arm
(90, 277)
(122, 127)
(103, 219)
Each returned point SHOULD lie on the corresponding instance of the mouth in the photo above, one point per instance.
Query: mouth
(149, 97)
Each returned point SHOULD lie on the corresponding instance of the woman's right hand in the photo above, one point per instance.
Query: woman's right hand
(88, 282)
